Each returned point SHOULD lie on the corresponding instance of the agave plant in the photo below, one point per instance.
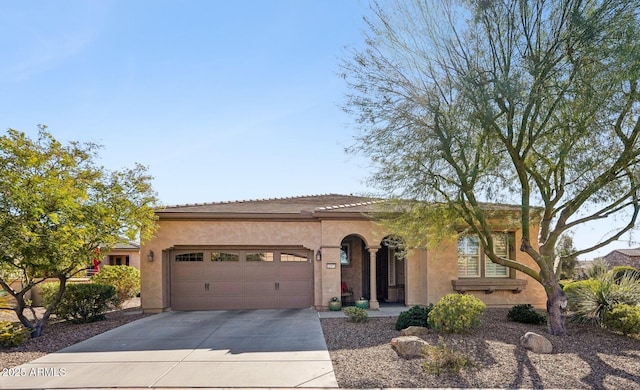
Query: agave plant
(592, 303)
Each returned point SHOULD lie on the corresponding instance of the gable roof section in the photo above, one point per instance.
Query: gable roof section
(296, 208)
(633, 252)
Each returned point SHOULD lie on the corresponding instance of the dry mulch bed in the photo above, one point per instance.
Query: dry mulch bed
(362, 356)
(60, 334)
(587, 358)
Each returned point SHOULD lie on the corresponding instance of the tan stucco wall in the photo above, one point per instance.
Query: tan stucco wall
(428, 273)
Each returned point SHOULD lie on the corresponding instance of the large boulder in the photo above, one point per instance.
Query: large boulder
(536, 343)
(409, 347)
(414, 331)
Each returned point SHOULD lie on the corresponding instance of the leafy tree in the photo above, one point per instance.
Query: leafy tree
(461, 103)
(566, 260)
(56, 208)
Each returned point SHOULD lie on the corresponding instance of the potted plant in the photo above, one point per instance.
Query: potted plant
(335, 304)
(362, 303)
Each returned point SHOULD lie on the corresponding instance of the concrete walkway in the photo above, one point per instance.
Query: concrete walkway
(251, 348)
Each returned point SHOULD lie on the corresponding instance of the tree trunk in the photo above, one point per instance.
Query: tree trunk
(556, 309)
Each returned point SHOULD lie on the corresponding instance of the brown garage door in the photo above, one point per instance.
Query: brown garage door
(226, 279)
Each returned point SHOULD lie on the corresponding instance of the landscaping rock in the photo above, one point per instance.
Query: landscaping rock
(536, 343)
(414, 331)
(409, 347)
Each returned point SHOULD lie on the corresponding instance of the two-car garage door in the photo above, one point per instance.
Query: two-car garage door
(223, 279)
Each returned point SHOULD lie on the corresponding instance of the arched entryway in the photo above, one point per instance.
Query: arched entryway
(353, 260)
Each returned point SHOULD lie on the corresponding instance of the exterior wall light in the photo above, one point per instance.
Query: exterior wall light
(150, 256)
(319, 255)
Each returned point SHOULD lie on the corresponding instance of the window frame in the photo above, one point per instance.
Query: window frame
(483, 261)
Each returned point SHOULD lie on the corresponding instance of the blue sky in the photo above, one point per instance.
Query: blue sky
(222, 100)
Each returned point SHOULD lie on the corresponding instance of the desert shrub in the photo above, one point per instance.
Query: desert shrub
(440, 359)
(356, 314)
(623, 318)
(571, 288)
(621, 270)
(591, 302)
(12, 335)
(526, 314)
(456, 313)
(89, 302)
(416, 316)
(124, 278)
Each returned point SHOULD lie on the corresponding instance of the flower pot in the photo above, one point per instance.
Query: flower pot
(362, 303)
(335, 305)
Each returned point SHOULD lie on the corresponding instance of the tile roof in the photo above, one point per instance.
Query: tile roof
(297, 207)
(290, 205)
(632, 252)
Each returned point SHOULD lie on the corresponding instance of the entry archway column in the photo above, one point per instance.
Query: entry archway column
(373, 299)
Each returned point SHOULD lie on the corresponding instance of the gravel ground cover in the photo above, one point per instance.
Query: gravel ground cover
(60, 334)
(586, 358)
(362, 356)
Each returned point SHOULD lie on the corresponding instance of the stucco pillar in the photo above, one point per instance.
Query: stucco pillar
(373, 300)
(330, 275)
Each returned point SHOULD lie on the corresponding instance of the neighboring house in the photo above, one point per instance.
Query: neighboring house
(125, 253)
(630, 257)
(300, 252)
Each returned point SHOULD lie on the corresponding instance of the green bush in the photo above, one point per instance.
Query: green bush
(571, 288)
(49, 291)
(89, 302)
(416, 316)
(442, 359)
(356, 314)
(590, 303)
(623, 318)
(526, 314)
(12, 335)
(124, 278)
(620, 271)
(456, 313)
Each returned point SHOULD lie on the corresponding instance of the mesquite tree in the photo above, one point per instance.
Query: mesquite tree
(532, 103)
(57, 209)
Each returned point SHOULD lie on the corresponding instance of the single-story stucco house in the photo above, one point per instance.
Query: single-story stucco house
(629, 257)
(300, 252)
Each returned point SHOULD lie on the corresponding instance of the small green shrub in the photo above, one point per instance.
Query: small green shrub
(12, 335)
(623, 318)
(89, 302)
(49, 291)
(456, 313)
(526, 314)
(441, 359)
(356, 314)
(416, 316)
(124, 278)
(621, 271)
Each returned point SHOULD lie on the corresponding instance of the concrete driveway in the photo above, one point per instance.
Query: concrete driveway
(249, 348)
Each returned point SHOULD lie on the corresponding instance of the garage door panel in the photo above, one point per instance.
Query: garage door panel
(190, 271)
(189, 288)
(226, 288)
(224, 303)
(225, 272)
(260, 272)
(259, 288)
(295, 287)
(296, 272)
